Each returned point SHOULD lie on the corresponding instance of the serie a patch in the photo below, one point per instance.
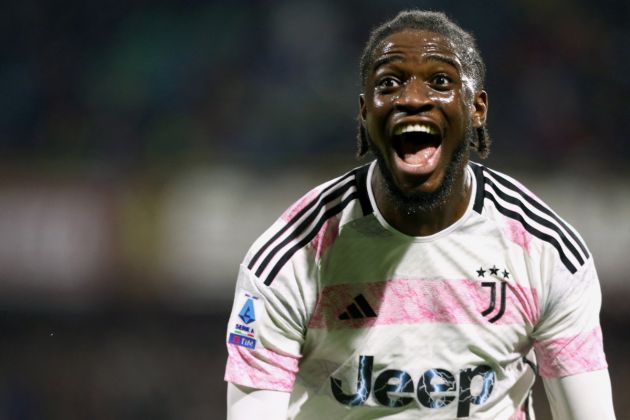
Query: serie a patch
(243, 333)
(248, 311)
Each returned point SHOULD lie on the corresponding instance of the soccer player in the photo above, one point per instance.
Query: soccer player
(421, 285)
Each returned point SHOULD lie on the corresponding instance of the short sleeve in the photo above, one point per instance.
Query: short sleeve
(265, 333)
(568, 339)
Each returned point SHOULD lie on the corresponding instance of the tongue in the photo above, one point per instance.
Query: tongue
(417, 154)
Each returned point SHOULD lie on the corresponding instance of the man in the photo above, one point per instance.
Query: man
(421, 285)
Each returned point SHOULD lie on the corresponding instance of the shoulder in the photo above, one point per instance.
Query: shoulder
(310, 223)
(343, 189)
(500, 195)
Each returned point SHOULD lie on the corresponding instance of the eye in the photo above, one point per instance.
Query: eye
(441, 81)
(387, 82)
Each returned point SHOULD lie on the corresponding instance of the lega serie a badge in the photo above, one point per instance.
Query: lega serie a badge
(244, 334)
(248, 313)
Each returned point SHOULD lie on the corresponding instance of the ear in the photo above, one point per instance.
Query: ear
(480, 109)
(362, 108)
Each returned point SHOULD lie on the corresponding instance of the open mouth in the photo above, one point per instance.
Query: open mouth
(417, 144)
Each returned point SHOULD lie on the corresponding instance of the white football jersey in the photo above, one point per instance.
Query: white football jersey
(360, 321)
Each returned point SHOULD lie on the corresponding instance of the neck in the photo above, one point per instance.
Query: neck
(423, 222)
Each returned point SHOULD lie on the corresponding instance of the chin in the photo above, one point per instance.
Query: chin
(426, 194)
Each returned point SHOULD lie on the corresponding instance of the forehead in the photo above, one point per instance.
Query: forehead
(418, 43)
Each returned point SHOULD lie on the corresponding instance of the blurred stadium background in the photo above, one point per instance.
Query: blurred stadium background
(145, 144)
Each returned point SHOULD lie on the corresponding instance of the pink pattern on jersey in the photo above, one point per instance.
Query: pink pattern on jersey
(260, 368)
(292, 211)
(569, 356)
(419, 301)
(518, 234)
(326, 236)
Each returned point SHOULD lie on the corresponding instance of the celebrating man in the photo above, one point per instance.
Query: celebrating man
(420, 285)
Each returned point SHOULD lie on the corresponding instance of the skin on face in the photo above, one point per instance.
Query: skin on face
(418, 110)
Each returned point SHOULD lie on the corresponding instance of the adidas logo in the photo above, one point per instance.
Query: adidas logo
(360, 308)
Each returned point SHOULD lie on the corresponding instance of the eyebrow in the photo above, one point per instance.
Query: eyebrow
(389, 58)
(445, 59)
(381, 61)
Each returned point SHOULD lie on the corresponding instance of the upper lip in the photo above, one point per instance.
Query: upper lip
(430, 125)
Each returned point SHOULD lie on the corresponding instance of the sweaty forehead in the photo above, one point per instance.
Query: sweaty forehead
(416, 42)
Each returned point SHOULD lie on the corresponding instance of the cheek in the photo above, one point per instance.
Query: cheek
(378, 103)
(376, 112)
(457, 110)
(372, 127)
(445, 98)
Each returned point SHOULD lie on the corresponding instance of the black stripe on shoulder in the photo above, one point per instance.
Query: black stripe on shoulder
(535, 217)
(303, 226)
(308, 238)
(361, 180)
(541, 235)
(477, 170)
(360, 184)
(542, 208)
(312, 206)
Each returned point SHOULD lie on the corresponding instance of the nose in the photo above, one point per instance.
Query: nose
(414, 97)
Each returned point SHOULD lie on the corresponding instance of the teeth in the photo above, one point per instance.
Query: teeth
(415, 128)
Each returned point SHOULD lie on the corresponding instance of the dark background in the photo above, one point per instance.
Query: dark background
(145, 144)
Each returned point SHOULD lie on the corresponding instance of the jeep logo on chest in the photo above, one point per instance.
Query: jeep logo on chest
(436, 387)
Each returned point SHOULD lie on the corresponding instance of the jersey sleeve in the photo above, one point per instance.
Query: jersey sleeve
(265, 332)
(568, 339)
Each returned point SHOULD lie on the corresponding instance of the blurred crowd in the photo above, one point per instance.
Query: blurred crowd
(129, 85)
